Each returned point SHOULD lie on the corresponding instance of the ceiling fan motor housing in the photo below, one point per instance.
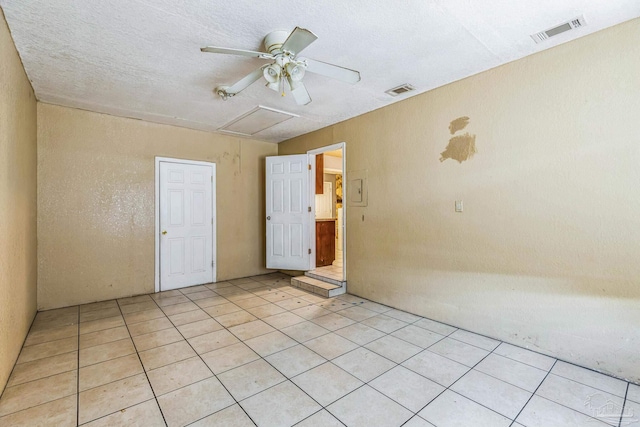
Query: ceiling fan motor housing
(274, 40)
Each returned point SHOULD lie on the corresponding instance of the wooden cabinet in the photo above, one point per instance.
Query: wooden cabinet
(325, 242)
(319, 173)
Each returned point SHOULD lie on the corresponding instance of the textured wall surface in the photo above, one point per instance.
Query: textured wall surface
(545, 254)
(18, 267)
(96, 202)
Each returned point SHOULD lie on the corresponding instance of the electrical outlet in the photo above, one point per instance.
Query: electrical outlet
(458, 205)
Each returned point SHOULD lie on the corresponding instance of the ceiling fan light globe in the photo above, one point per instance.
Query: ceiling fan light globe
(272, 73)
(295, 72)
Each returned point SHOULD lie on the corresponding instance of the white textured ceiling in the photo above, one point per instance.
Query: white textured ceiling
(142, 59)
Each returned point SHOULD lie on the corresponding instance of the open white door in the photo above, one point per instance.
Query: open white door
(186, 224)
(288, 212)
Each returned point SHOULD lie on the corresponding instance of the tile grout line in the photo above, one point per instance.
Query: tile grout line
(106, 343)
(38, 405)
(561, 404)
(16, 364)
(78, 375)
(524, 363)
(110, 382)
(45, 376)
(46, 342)
(142, 365)
(99, 320)
(322, 408)
(212, 373)
(119, 410)
(286, 378)
(533, 351)
(624, 403)
(573, 410)
(540, 384)
(482, 372)
(587, 385)
(462, 376)
(532, 394)
(367, 383)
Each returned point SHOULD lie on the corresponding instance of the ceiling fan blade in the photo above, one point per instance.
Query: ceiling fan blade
(241, 52)
(300, 94)
(243, 83)
(299, 39)
(333, 71)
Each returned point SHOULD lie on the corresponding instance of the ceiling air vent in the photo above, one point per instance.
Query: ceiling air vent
(559, 29)
(400, 89)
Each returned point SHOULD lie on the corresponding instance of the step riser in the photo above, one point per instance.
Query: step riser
(324, 279)
(326, 293)
(337, 291)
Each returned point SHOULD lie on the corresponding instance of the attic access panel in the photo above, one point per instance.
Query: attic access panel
(256, 120)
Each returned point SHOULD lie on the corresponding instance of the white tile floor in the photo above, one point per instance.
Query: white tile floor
(256, 351)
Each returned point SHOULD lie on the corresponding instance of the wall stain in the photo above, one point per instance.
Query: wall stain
(460, 147)
(237, 160)
(458, 124)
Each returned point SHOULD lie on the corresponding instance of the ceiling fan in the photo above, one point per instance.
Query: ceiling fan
(282, 49)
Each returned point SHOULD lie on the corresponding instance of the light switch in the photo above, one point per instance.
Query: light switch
(458, 205)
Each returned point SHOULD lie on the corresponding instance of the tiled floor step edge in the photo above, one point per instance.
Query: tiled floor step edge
(318, 287)
(323, 278)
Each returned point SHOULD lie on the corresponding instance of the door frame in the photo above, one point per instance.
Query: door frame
(312, 190)
(157, 214)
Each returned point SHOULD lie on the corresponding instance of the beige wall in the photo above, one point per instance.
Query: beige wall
(18, 267)
(546, 253)
(96, 202)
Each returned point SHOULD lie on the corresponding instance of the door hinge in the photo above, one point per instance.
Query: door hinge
(309, 209)
(211, 178)
(309, 165)
(309, 251)
(212, 263)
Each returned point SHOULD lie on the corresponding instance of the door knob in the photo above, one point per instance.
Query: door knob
(268, 218)
(164, 232)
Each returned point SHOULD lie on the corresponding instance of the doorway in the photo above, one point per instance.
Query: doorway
(185, 223)
(328, 231)
(296, 238)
